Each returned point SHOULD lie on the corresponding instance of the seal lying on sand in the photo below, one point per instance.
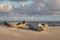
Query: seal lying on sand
(21, 25)
(14, 24)
(9, 24)
(43, 27)
(39, 27)
(6, 24)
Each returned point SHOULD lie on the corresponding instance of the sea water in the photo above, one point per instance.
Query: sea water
(50, 23)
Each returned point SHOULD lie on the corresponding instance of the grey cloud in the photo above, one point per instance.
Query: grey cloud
(55, 4)
(45, 7)
(18, 0)
(40, 7)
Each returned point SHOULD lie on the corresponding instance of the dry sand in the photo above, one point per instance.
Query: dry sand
(53, 33)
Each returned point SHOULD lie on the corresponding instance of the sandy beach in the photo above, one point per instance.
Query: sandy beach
(53, 33)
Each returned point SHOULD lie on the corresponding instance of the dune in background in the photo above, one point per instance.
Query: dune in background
(53, 33)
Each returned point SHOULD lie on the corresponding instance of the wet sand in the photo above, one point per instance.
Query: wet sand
(53, 33)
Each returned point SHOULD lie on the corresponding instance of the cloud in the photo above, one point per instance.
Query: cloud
(44, 7)
(18, 0)
(1, 6)
(55, 4)
(5, 7)
(16, 10)
(36, 7)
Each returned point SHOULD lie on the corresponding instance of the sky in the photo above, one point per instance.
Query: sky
(30, 10)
